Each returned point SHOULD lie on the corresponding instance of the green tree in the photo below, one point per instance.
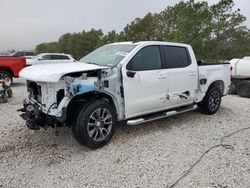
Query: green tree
(63, 43)
(215, 32)
(186, 22)
(47, 47)
(226, 27)
(111, 37)
(141, 29)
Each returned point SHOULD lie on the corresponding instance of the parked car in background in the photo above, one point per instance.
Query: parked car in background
(45, 58)
(10, 67)
(4, 54)
(26, 54)
(137, 82)
(240, 77)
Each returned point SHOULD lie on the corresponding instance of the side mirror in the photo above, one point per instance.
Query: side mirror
(131, 74)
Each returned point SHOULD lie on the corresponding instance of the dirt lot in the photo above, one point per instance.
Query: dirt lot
(149, 155)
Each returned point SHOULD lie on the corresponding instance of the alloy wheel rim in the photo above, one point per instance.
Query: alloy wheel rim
(99, 124)
(214, 100)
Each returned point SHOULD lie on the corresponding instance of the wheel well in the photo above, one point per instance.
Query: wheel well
(78, 101)
(220, 84)
(8, 70)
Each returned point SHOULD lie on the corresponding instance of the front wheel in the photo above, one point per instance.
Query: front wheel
(95, 124)
(211, 102)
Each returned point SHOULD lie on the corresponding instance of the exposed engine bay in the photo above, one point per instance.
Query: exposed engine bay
(48, 102)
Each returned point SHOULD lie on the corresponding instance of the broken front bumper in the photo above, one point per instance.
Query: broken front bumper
(35, 118)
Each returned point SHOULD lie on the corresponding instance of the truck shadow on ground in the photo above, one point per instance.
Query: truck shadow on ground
(22, 137)
(51, 145)
(52, 149)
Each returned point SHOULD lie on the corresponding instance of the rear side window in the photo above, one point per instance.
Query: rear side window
(148, 58)
(59, 57)
(46, 57)
(29, 53)
(176, 57)
(18, 54)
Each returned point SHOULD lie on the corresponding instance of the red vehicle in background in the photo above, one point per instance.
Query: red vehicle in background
(10, 67)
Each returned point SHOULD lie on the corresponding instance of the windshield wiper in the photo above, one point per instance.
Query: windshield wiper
(109, 65)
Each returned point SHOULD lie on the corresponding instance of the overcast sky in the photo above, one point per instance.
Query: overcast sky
(26, 23)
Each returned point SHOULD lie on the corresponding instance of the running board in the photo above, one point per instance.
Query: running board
(161, 115)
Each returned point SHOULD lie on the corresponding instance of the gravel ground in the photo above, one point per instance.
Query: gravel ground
(150, 155)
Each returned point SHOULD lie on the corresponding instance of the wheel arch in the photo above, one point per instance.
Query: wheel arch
(7, 70)
(218, 83)
(78, 101)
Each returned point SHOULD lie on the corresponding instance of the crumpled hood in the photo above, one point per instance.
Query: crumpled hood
(54, 72)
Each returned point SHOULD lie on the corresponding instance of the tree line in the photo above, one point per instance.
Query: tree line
(216, 32)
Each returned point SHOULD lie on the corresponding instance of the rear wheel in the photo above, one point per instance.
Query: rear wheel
(243, 89)
(95, 124)
(211, 102)
(6, 76)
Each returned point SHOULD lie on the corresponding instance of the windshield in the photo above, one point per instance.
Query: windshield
(108, 55)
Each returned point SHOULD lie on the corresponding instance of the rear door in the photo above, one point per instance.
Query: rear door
(144, 82)
(182, 76)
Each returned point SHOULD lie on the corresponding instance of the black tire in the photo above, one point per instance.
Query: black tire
(73, 120)
(5, 98)
(6, 75)
(243, 89)
(95, 124)
(9, 93)
(212, 100)
(232, 89)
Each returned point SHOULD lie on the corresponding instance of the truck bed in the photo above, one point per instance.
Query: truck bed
(214, 72)
(200, 63)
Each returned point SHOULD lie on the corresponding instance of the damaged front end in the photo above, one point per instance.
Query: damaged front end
(55, 104)
(35, 118)
(47, 102)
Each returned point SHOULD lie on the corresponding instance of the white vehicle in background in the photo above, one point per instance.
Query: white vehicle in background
(240, 76)
(45, 58)
(137, 82)
(26, 54)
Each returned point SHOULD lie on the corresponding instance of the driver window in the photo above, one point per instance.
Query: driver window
(148, 58)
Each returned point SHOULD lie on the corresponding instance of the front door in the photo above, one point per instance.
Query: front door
(145, 82)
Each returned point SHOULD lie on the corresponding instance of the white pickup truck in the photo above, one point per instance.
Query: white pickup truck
(137, 82)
